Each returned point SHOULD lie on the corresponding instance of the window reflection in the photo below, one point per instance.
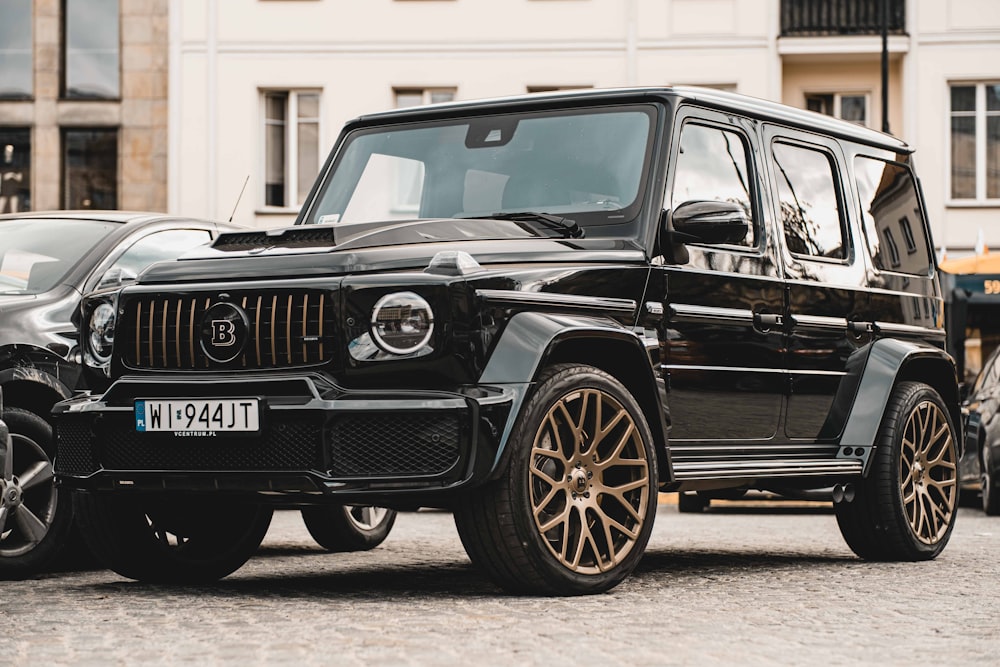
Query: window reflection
(90, 169)
(712, 166)
(15, 50)
(91, 49)
(15, 170)
(810, 212)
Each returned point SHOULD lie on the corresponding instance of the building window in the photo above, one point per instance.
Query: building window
(975, 141)
(291, 146)
(16, 50)
(91, 51)
(90, 168)
(851, 107)
(412, 97)
(15, 170)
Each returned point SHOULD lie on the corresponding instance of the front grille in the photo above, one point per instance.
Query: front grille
(285, 328)
(293, 445)
(75, 447)
(401, 444)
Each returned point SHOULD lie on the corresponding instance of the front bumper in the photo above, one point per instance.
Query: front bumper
(316, 440)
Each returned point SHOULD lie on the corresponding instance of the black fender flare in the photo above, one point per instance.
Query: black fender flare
(532, 339)
(24, 366)
(891, 361)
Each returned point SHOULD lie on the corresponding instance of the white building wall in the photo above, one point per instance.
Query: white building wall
(357, 51)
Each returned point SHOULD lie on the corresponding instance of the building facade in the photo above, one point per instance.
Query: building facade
(185, 104)
(83, 102)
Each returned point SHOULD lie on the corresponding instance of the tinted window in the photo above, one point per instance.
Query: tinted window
(90, 169)
(890, 208)
(712, 165)
(807, 194)
(30, 263)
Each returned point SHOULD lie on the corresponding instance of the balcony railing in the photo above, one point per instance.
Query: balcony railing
(810, 18)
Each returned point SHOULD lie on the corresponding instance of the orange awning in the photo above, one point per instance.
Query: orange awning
(988, 263)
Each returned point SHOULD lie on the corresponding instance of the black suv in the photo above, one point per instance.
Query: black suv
(538, 312)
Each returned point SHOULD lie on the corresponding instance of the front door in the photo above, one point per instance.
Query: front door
(724, 356)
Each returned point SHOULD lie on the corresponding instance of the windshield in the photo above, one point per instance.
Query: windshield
(36, 253)
(586, 165)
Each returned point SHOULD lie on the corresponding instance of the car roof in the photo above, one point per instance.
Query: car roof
(717, 99)
(122, 217)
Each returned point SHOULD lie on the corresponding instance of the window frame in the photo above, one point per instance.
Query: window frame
(980, 116)
(291, 137)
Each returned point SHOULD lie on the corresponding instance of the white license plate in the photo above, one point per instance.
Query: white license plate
(230, 415)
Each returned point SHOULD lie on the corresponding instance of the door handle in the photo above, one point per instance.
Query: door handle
(859, 328)
(768, 321)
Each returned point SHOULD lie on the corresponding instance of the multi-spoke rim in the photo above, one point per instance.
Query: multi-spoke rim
(589, 481)
(27, 497)
(366, 517)
(928, 473)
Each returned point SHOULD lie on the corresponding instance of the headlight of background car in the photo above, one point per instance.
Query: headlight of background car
(100, 333)
(402, 322)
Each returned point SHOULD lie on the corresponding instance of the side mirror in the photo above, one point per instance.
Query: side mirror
(116, 277)
(708, 222)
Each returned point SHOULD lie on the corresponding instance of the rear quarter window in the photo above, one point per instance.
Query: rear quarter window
(893, 220)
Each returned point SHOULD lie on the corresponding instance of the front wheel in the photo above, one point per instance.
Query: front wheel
(177, 540)
(35, 517)
(574, 508)
(348, 528)
(905, 509)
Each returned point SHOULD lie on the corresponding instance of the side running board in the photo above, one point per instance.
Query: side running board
(690, 470)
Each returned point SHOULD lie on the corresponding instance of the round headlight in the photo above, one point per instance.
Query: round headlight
(402, 322)
(102, 331)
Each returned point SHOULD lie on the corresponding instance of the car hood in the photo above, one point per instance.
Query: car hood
(323, 250)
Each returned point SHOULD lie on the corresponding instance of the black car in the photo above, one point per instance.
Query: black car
(47, 262)
(979, 465)
(537, 312)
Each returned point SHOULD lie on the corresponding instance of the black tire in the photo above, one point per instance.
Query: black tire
(184, 541)
(905, 509)
(580, 449)
(988, 483)
(38, 516)
(342, 528)
(692, 502)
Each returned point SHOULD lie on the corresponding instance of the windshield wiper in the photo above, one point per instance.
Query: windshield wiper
(549, 221)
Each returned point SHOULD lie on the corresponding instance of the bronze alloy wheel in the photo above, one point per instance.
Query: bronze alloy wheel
(928, 473)
(588, 481)
(904, 508)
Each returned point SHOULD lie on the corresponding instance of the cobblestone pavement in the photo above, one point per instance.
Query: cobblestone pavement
(771, 585)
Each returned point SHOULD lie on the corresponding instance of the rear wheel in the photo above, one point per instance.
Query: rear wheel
(35, 517)
(190, 540)
(905, 509)
(348, 528)
(988, 484)
(574, 508)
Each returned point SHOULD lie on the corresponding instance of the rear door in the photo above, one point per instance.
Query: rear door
(828, 301)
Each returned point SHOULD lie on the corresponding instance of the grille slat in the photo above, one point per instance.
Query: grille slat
(287, 328)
